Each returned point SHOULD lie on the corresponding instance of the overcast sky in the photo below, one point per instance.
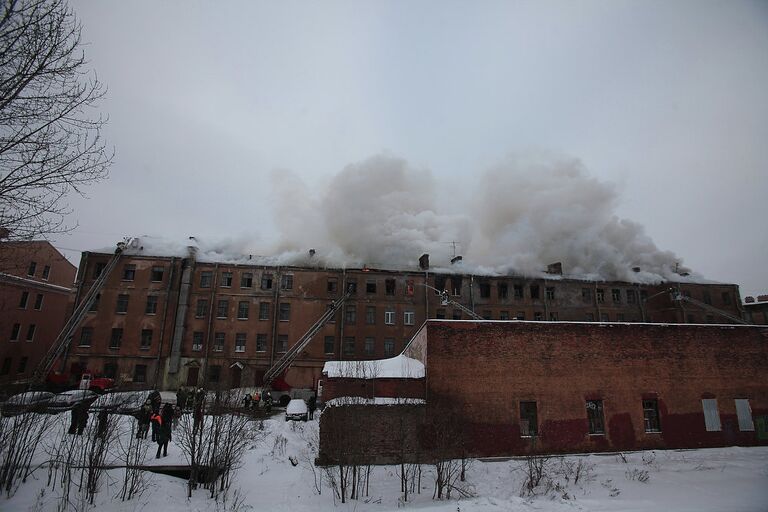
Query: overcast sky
(667, 100)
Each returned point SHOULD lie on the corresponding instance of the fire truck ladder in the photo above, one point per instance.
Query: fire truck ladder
(65, 336)
(284, 362)
(676, 295)
(445, 300)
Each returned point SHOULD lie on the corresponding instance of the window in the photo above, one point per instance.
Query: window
(590, 317)
(600, 296)
(282, 343)
(651, 415)
(487, 315)
(503, 290)
(22, 365)
(286, 282)
(707, 297)
(456, 314)
(349, 346)
(605, 317)
(240, 342)
(503, 315)
(98, 269)
(226, 279)
(197, 341)
(332, 286)
(726, 298)
(129, 272)
(595, 416)
(31, 332)
(285, 312)
(6, 366)
(439, 314)
(619, 317)
(534, 291)
(440, 283)
(389, 317)
(206, 277)
(246, 280)
(263, 310)
(389, 287)
(242, 310)
(157, 274)
(370, 287)
(146, 339)
(222, 308)
(370, 346)
(94, 304)
(86, 337)
(261, 343)
(408, 317)
(744, 415)
(202, 308)
(389, 347)
(520, 315)
(110, 370)
(140, 373)
(266, 281)
(616, 296)
(214, 374)
(46, 272)
(151, 308)
(529, 426)
(518, 291)
(352, 286)
(218, 342)
(24, 299)
(538, 316)
(122, 303)
(32, 268)
(711, 416)
(553, 316)
(350, 314)
(409, 288)
(550, 292)
(329, 345)
(631, 297)
(455, 285)
(116, 339)
(370, 315)
(485, 290)
(15, 332)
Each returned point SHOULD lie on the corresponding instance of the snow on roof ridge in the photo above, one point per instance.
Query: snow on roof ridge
(378, 400)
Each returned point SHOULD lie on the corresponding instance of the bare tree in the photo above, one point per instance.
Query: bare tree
(50, 140)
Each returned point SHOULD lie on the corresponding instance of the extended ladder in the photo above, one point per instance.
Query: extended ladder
(284, 362)
(676, 295)
(65, 336)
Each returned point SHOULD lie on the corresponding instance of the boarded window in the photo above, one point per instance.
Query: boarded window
(651, 415)
(744, 413)
(711, 416)
(528, 423)
(595, 416)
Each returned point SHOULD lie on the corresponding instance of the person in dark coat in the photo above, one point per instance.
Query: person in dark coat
(145, 413)
(101, 426)
(312, 405)
(181, 398)
(82, 417)
(164, 430)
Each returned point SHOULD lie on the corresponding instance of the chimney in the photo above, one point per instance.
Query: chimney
(455, 259)
(424, 262)
(555, 268)
(749, 300)
(311, 252)
(635, 269)
(762, 298)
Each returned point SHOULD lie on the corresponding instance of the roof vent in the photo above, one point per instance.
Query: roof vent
(635, 269)
(311, 252)
(749, 299)
(424, 262)
(456, 259)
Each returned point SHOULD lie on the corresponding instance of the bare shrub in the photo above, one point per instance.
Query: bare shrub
(20, 437)
(639, 475)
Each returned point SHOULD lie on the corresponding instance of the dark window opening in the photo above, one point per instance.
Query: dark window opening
(246, 280)
(631, 297)
(616, 296)
(261, 343)
(202, 308)
(330, 345)
(389, 286)
(146, 338)
(22, 365)
(46, 272)
(24, 299)
(98, 269)
(370, 287)
(226, 279)
(151, 308)
(332, 286)
(86, 337)
(32, 268)
(456, 285)
(122, 303)
(651, 415)
(485, 290)
(214, 374)
(352, 286)
(529, 426)
(116, 339)
(550, 292)
(595, 416)
(440, 314)
(266, 281)
(197, 341)
(600, 296)
(282, 343)
(206, 278)
(440, 282)
(129, 272)
(518, 291)
(240, 342)
(140, 373)
(370, 346)
(503, 290)
(263, 310)
(534, 291)
(157, 274)
(389, 347)
(94, 306)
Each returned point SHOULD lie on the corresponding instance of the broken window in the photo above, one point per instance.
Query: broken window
(129, 272)
(518, 291)
(389, 347)
(550, 292)
(266, 281)
(502, 290)
(205, 279)
(157, 274)
(744, 415)
(146, 339)
(370, 287)
(46, 272)
(711, 415)
(370, 315)
(98, 269)
(286, 282)
(222, 309)
(352, 286)
(350, 314)
(197, 341)
(485, 290)
(440, 282)
(246, 280)
(349, 346)
(285, 312)
(332, 286)
(122, 303)
(330, 345)
(116, 339)
(218, 342)
(651, 415)
(32, 268)
(261, 343)
(240, 342)
(226, 279)
(151, 307)
(17, 329)
(242, 310)
(616, 295)
(553, 316)
(263, 310)
(595, 416)
(456, 285)
(600, 296)
(534, 291)
(202, 308)
(529, 426)
(389, 286)
(503, 315)
(24, 299)
(409, 288)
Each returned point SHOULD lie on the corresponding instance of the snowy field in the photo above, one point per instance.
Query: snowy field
(727, 479)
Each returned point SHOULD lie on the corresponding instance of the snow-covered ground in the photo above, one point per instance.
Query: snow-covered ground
(727, 479)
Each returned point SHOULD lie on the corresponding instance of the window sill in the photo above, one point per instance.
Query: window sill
(653, 432)
(83, 346)
(144, 349)
(150, 314)
(241, 318)
(239, 351)
(597, 434)
(221, 318)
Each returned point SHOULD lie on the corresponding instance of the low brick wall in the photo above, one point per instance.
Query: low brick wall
(334, 387)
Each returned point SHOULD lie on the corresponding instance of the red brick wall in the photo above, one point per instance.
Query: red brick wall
(370, 388)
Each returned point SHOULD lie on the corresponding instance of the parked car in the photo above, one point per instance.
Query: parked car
(125, 402)
(68, 399)
(31, 401)
(296, 410)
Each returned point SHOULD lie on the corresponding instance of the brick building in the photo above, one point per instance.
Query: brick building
(512, 387)
(757, 310)
(172, 321)
(36, 286)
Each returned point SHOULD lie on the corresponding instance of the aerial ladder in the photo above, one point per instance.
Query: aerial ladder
(65, 336)
(285, 362)
(445, 300)
(675, 295)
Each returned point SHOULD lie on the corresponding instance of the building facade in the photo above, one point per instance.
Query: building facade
(172, 321)
(36, 287)
(757, 310)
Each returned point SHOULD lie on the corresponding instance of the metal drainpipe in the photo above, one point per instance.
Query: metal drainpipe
(343, 313)
(210, 324)
(275, 313)
(426, 294)
(640, 302)
(171, 275)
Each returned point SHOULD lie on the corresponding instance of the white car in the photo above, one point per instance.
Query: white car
(68, 399)
(297, 410)
(31, 401)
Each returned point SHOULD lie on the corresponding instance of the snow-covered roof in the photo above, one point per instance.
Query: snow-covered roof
(379, 400)
(398, 367)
